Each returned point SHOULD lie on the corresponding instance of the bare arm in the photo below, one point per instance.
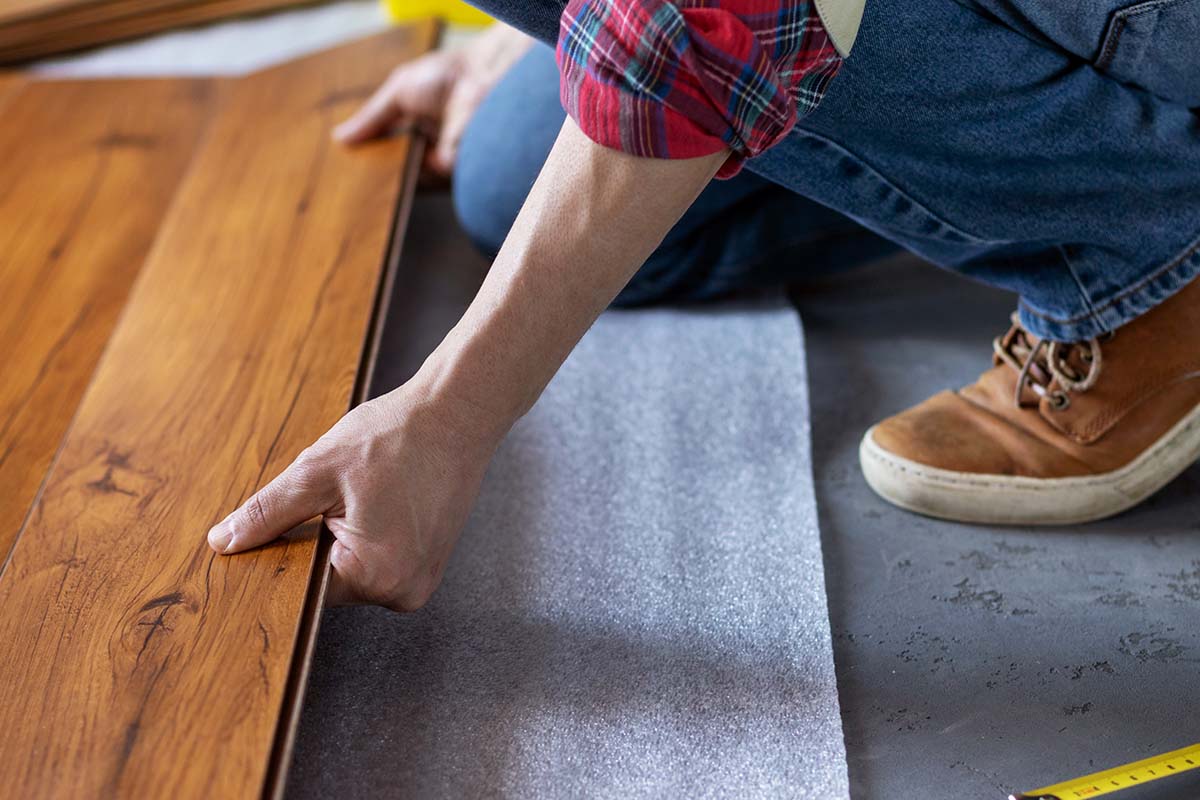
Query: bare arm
(396, 478)
(593, 217)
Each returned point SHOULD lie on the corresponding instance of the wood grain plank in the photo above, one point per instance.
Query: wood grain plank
(99, 162)
(137, 663)
(309, 624)
(49, 21)
(81, 25)
(23, 9)
(9, 83)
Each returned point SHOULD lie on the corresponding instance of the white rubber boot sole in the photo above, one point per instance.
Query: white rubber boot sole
(1016, 500)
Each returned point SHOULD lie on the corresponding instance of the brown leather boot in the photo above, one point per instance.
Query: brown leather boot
(1053, 434)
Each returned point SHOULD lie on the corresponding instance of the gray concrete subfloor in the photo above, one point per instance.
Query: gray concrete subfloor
(971, 661)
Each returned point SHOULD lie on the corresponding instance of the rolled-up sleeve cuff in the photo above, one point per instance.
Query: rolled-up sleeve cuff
(657, 80)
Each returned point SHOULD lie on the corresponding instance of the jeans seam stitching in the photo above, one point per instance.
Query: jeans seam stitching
(1120, 20)
(1083, 292)
(1111, 42)
(1188, 252)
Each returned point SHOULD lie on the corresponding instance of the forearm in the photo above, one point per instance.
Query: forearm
(592, 218)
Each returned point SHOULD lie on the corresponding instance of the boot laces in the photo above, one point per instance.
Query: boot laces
(1040, 364)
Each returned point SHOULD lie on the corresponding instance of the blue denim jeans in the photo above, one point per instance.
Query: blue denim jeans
(1046, 148)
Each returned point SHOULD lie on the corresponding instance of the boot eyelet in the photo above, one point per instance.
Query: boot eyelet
(1060, 401)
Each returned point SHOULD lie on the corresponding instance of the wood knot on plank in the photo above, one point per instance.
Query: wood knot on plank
(166, 600)
(107, 485)
(115, 458)
(152, 617)
(120, 477)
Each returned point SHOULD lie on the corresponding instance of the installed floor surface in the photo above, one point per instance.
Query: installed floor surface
(99, 164)
(970, 661)
(636, 608)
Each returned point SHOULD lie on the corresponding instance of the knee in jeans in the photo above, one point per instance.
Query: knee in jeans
(484, 213)
(504, 146)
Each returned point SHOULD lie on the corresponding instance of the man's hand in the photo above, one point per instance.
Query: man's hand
(440, 91)
(397, 477)
(394, 479)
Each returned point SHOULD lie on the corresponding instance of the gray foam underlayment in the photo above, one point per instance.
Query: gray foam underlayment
(636, 607)
(970, 660)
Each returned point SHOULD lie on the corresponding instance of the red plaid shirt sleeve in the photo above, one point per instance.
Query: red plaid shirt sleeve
(688, 78)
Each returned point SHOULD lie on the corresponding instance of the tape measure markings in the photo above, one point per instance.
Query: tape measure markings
(1118, 778)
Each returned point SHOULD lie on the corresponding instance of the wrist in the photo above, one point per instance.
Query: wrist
(455, 395)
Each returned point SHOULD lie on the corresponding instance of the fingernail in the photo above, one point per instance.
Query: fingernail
(340, 132)
(220, 538)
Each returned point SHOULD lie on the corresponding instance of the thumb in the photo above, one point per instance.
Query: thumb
(299, 493)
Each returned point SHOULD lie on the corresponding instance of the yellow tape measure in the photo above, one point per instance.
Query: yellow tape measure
(1118, 778)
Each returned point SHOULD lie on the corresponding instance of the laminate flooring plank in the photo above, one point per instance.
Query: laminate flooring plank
(9, 83)
(309, 622)
(116, 22)
(52, 21)
(136, 662)
(23, 9)
(99, 162)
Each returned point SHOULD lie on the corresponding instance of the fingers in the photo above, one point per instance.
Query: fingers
(378, 576)
(464, 100)
(417, 89)
(375, 117)
(301, 492)
(342, 591)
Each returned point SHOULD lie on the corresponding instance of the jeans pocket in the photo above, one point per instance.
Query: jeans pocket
(1155, 44)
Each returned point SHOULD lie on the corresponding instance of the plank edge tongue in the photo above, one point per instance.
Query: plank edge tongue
(275, 783)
